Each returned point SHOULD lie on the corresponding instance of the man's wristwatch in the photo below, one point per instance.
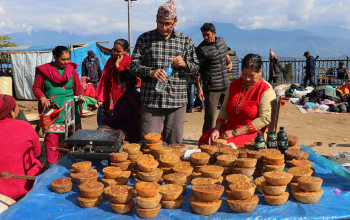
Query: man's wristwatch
(234, 133)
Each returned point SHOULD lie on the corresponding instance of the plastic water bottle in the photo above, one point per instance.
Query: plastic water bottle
(168, 69)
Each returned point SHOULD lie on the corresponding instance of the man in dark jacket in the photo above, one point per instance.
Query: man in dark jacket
(274, 68)
(214, 62)
(234, 73)
(91, 68)
(309, 69)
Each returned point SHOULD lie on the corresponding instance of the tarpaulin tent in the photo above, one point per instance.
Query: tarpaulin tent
(26, 58)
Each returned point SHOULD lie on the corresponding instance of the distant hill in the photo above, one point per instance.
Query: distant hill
(324, 41)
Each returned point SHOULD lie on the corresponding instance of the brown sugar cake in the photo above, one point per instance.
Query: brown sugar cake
(272, 190)
(258, 182)
(123, 165)
(166, 170)
(131, 148)
(81, 166)
(309, 183)
(169, 160)
(183, 167)
(255, 154)
(122, 208)
(85, 176)
(195, 175)
(292, 140)
(276, 200)
(89, 202)
(147, 165)
(244, 171)
(212, 171)
(207, 192)
(118, 157)
(246, 162)
(135, 157)
(301, 163)
(152, 137)
(200, 158)
(274, 158)
(146, 156)
(158, 143)
(236, 178)
(209, 149)
(293, 185)
(276, 167)
(249, 145)
(296, 154)
(219, 142)
(123, 178)
(223, 149)
(243, 152)
(147, 213)
(147, 189)
(204, 208)
(150, 176)
(119, 193)
(295, 147)
(242, 190)
(91, 189)
(178, 149)
(197, 168)
(277, 178)
(202, 180)
(268, 150)
(306, 197)
(226, 160)
(227, 170)
(108, 182)
(298, 172)
(175, 178)
(61, 185)
(166, 151)
(148, 202)
(219, 180)
(243, 205)
(170, 192)
(174, 204)
(111, 172)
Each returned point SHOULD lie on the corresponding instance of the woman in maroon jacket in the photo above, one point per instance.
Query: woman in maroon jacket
(19, 147)
(57, 81)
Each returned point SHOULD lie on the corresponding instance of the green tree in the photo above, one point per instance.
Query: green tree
(287, 72)
(4, 42)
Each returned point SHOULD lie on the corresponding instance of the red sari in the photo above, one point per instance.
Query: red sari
(240, 113)
(108, 86)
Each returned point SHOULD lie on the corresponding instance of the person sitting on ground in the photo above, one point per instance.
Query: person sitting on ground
(19, 148)
(57, 81)
(246, 108)
(89, 93)
(127, 112)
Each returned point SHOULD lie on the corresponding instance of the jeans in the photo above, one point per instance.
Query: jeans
(191, 97)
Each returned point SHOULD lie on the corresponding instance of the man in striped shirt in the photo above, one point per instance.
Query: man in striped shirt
(164, 111)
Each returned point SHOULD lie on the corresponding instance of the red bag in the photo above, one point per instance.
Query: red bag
(48, 119)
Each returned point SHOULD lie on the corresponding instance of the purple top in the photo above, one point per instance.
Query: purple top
(124, 116)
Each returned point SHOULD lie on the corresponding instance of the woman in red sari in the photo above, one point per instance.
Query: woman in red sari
(107, 91)
(247, 106)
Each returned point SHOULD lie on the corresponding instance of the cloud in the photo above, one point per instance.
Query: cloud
(108, 16)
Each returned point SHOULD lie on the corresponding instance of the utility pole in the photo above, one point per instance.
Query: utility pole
(129, 25)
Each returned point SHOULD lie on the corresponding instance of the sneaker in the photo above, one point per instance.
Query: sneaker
(201, 109)
(189, 110)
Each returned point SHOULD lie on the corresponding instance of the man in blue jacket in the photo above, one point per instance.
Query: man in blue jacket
(91, 68)
(309, 69)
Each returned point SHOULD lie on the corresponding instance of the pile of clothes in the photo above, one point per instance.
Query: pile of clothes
(325, 97)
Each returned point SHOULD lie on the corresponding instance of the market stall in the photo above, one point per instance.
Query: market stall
(41, 202)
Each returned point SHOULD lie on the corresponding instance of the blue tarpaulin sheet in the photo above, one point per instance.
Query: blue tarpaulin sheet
(42, 203)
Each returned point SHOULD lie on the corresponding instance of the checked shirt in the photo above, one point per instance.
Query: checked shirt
(152, 51)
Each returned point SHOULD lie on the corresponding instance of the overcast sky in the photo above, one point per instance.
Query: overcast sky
(108, 16)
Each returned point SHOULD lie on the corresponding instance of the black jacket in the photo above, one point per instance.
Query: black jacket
(310, 66)
(95, 75)
(212, 65)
